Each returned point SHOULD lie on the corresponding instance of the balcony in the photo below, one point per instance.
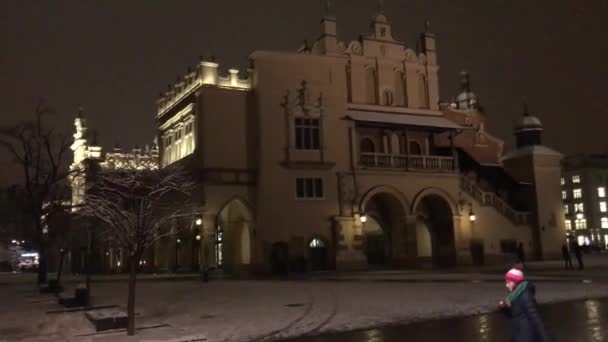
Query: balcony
(407, 162)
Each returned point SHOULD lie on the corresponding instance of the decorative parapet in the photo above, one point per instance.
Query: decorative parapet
(205, 74)
(491, 199)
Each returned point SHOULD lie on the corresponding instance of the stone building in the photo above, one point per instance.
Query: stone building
(342, 155)
(584, 183)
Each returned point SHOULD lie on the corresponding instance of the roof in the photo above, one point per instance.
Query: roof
(402, 119)
(529, 123)
(532, 150)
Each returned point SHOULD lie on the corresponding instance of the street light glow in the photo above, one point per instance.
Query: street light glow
(198, 221)
(363, 218)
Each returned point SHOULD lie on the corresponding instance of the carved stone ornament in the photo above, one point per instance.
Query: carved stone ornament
(347, 187)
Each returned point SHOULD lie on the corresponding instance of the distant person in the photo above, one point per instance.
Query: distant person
(566, 257)
(521, 256)
(520, 305)
(578, 253)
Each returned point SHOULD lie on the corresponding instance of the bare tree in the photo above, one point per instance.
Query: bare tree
(41, 153)
(136, 207)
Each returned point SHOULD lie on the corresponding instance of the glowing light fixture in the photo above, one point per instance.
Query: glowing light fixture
(363, 218)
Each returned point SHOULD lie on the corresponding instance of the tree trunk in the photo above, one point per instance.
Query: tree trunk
(89, 263)
(131, 299)
(42, 265)
(60, 268)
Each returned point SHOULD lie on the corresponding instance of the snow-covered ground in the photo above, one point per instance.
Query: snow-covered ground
(260, 310)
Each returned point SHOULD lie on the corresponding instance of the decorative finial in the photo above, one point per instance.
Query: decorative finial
(380, 6)
(427, 25)
(465, 82)
(327, 8)
(525, 105)
(80, 114)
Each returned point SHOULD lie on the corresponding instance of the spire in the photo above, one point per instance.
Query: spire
(427, 25)
(465, 81)
(380, 6)
(525, 108)
(327, 8)
(80, 114)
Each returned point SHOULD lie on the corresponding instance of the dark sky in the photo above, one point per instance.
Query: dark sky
(114, 56)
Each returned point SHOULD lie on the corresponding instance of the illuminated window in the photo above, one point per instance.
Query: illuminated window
(579, 207)
(566, 209)
(577, 193)
(604, 222)
(576, 179)
(568, 224)
(581, 224)
(581, 240)
(603, 207)
(307, 134)
(562, 181)
(316, 243)
(601, 192)
(564, 194)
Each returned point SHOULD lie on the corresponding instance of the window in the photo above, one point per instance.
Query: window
(601, 192)
(562, 181)
(581, 240)
(576, 179)
(566, 209)
(604, 222)
(367, 146)
(581, 224)
(316, 243)
(577, 193)
(564, 194)
(415, 148)
(603, 207)
(568, 224)
(307, 134)
(388, 98)
(309, 188)
(579, 207)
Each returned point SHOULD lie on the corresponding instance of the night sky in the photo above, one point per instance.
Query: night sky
(114, 56)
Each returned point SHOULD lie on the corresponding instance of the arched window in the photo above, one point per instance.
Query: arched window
(367, 146)
(317, 243)
(400, 90)
(387, 98)
(370, 86)
(415, 148)
(423, 91)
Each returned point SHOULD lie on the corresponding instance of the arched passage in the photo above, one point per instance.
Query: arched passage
(435, 229)
(233, 236)
(317, 250)
(385, 211)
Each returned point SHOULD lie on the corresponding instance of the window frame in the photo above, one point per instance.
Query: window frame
(307, 133)
(309, 188)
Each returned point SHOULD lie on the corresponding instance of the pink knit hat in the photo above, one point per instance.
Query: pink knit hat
(515, 275)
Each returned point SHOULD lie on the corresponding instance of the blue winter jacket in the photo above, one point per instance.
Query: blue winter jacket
(526, 323)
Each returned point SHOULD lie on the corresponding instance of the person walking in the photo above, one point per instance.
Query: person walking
(578, 253)
(566, 257)
(521, 256)
(520, 305)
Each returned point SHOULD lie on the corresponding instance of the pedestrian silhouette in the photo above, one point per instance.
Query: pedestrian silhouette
(521, 256)
(578, 253)
(566, 257)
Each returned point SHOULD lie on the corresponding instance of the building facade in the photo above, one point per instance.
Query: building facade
(584, 182)
(343, 156)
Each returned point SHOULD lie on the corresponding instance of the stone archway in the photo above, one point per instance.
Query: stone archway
(436, 240)
(232, 238)
(383, 232)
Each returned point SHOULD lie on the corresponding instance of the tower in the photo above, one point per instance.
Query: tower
(328, 41)
(429, 49)
(531, 162)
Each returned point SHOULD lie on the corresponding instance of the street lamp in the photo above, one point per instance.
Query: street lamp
(472, 216)
(363, 218)
(199, 221)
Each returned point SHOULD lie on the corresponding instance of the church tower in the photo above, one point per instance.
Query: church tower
(328, 41)
(531, 162)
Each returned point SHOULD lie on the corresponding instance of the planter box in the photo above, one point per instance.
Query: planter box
(108, 319)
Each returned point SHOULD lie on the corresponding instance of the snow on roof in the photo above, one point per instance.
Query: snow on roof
(402, 119)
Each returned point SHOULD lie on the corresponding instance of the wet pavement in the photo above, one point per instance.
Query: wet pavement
(580, 321)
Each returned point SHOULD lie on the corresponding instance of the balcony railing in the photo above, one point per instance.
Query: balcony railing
(491, 199)
(407, 162)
